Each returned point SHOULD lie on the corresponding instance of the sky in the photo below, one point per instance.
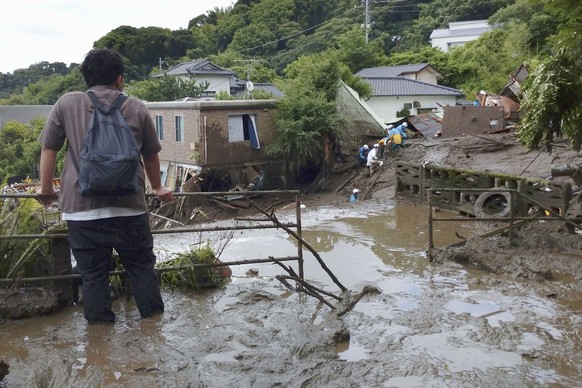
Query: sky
(34, 31)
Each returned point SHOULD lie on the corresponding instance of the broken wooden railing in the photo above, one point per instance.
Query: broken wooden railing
(63, 278)
(505, 212)
(60, 257)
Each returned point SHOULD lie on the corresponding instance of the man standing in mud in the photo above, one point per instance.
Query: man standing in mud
(97, 225)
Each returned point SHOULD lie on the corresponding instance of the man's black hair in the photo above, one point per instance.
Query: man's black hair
(102, 67)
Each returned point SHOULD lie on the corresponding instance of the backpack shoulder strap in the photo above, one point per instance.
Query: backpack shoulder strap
(119, 101)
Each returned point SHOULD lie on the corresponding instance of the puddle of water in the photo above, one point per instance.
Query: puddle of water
(351, 351)
(460, 358)
(427, 317)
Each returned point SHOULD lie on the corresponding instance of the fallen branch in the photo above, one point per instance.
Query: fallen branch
(356, 299)
(281, 278)
(304, 243)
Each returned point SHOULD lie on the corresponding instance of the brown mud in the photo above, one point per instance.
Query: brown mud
(487, 314)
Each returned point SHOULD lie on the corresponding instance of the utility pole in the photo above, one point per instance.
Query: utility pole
(161, 63)
(367, 19)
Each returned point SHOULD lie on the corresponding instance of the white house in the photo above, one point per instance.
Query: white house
(201, 71)
(391, 94)
(458, 34)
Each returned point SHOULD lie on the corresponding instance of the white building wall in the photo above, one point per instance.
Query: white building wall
(387, 107)
(218, 83)
(445, 44)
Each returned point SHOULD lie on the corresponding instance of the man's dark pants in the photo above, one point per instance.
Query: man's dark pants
(92, 243)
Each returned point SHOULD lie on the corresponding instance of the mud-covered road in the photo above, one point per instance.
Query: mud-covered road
(433, 325)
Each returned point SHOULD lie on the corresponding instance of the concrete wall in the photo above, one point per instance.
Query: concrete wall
(23, 113)
(387, 106)
(171, 149)
(447, 43)
(414, 181)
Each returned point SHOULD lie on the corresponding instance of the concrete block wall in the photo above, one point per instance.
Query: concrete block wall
(414, 181)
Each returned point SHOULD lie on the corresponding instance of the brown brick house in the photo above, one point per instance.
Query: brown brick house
(225, 135)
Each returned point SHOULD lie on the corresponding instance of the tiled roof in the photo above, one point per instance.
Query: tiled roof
(201, 67)
(398, 86)
(392, 71)
(269, 88)
(239, 86)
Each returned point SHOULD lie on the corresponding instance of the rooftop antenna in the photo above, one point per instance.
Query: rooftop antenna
(249, 87)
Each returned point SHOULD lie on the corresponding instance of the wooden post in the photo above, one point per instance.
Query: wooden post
(61, 265)
(511, 211)
(430, 227)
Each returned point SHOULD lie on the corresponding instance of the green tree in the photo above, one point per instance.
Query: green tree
(20, 151)
(48, 90)
(355, 53)
(165, 88)
(487, 62)
(256, 39)
(307, 116)
(553, 103)
(540, 24)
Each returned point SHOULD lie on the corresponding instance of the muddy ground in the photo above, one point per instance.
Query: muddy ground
(255, 333)
(539, 250)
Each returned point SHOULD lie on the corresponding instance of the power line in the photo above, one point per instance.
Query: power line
(300, 32)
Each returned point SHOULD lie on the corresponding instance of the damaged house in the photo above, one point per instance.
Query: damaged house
(491, 113)
(223, 142)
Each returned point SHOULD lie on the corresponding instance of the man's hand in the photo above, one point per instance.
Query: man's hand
(46, 197)
(164, 194)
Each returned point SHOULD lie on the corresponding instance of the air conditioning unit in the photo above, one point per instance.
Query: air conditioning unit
(416, 104)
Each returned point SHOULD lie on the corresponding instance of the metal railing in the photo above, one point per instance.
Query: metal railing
(59, 238)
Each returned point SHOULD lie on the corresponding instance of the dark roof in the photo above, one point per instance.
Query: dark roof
(270, 88)
(239, 86)
(194, 68)
(394, 71)
(275, 91)
(398, 86)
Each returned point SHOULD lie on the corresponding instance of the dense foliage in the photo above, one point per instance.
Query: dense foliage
(274, 33)
(276, 36)
(20, 151)
(553, 102)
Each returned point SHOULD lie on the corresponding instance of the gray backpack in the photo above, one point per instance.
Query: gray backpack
(109, 154)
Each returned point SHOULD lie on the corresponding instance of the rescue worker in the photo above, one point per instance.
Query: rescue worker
(373, 161)
(363, 154)
(395, 140)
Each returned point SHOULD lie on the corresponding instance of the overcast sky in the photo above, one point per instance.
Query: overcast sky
(33, 31)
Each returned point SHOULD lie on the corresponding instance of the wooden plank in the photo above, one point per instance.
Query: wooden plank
(350, 178)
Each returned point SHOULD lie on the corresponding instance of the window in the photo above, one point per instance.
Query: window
(160, 127)
(179, 120)
(242, 128)
(238, 127)
(408, 105)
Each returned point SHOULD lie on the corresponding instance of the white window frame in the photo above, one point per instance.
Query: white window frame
(179, 124)
(160, 127)
(236, 130)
